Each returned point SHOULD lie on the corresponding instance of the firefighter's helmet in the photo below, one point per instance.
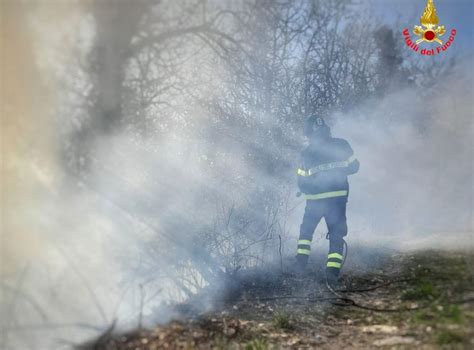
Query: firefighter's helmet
(314, 126)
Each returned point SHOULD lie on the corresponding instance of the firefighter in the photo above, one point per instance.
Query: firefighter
(322, 179)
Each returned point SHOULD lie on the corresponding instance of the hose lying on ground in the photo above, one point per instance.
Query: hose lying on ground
(341, 300)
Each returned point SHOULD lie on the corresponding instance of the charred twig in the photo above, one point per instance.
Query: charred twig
(142, 297)
(279, 251)
(345, 301)
(27, 297)
(95, 344)
(369, 289)
(86, 284)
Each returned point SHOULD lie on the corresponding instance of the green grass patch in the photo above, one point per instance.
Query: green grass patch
(429, 264)
(424, 317)
(452, 313)
(444, 314)
(257, 344)
(446, 337)
(282, 319)
(221, 343)
(424, 290)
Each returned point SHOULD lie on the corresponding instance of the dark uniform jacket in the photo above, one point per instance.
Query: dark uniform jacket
(325, 165)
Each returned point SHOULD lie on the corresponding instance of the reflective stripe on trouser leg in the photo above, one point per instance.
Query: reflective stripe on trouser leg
(335, 256)
(304, 247)
(334, 264)
(334, 260)
(337, 227)
(312, 216)
(303, 251)
(324, 195)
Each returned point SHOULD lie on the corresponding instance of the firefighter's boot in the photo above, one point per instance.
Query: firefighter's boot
(301, 263)
(333, 268)
(302, 256)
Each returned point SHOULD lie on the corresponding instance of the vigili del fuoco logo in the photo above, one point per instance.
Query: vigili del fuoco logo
(429, 32)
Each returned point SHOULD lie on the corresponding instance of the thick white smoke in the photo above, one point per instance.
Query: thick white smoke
(99, 253)
(415, 186)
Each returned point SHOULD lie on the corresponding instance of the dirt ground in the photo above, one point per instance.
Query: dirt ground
(420, 300)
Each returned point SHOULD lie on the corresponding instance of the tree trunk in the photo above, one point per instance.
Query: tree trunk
(116, 24)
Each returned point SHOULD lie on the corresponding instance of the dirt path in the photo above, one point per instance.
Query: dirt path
(428, 299)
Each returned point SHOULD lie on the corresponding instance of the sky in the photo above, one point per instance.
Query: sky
(458, 14)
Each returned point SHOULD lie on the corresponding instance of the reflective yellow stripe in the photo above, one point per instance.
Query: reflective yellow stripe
(351, 159)
(323, 167)
(301, 172)
(333, 264)
(304, 241)
(335, 255)
(325, 195)
(303, 251)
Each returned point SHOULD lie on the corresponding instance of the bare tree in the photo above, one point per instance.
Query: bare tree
(235, 82)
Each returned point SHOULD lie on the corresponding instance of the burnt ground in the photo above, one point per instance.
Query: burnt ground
(413, 300)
